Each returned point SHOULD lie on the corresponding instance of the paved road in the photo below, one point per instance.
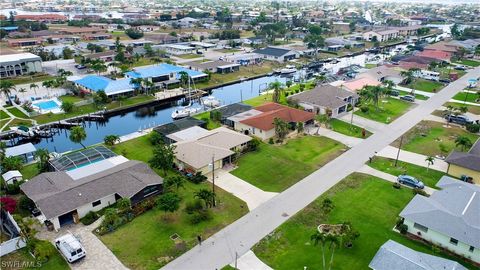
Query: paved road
(219, 250)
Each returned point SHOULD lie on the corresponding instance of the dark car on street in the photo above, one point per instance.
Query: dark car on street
(408, 98)
(458, 119)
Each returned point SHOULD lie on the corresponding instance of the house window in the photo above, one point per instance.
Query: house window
(420, 227)
(453, 241)
(471, 249)
(95, 203)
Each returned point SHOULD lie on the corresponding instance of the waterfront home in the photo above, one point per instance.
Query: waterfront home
(196, 149)
(12, 65)
(218, 66)
(178, 125)
(165, 75)
(382, 35)
(84, 181)
(326, 98)
(259, 121)
(382, 74)
(357, 84)
(277, 54)
(112, 88)
(393, 255)
(449, 218)
(465, 164)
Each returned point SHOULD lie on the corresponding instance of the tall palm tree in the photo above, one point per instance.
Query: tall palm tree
(6, 87)
(373, 94)
(430, 160)
(23, 91)
(184, 77)
(334, 242)
(277, 88)
(320, 238)
(47, 84)
(463, 142)
(34, 87)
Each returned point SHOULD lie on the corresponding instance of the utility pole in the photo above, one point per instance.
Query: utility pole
(236, 259)
(213, 179)
(398, 153)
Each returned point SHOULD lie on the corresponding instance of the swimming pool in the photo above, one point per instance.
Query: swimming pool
(47, 105)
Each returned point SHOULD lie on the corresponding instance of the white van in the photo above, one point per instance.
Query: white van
(70, 247)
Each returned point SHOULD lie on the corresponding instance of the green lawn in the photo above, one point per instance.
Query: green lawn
(71, 98)
(148, 235)
(347, 129)
(205, 116)
(370, 204)
(3, 115)
(29, 171)
(370, 65)
(267, 97)
(430, 177)
(189, 56)
(389, 110)
(90, 108)
(469, 62)
(425, 85)
(471, 108)
(57, 262)
(468, 97)
(17, 112)
(432, 138)
(40, 77)
(277, 167)
(417, 96)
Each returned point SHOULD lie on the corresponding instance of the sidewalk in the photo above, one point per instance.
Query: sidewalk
(419, 92)
(414, 158)
(465, 103)
(347, 140)
(241, 189)
(249, 261)
(370, 125)
(388, 177)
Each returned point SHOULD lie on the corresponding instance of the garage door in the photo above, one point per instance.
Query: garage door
(66, 219)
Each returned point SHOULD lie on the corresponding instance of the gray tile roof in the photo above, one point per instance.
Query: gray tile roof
(394, 256)
(452, 211)
(56, 193)
(272, 51)
(325, 95)
(470, 160)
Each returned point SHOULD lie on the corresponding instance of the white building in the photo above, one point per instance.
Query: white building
(449, 218)
(12, 65)
(177, 49)
(382, 36)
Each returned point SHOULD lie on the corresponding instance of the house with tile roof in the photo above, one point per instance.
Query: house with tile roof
(277, 54)
(258, 122)
(449, 218)
(395, 256)
(357, 84)
(468, 164)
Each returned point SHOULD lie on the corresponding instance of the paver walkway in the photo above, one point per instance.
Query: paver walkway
(414, 158)
(363, 122)
(249, 261)
(98, 255)
(241, 189)
(386, 176)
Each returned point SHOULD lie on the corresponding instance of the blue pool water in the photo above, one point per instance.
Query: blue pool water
(47, 105)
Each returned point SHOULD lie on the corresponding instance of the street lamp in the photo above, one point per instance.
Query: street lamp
(212, 167)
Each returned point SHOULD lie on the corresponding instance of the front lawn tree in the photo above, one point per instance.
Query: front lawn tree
(207, 196)
(78, 135)
(373, 94)
(176, 181)
(281, 128)
(430, 160)
(163, 156)
(320, 238)
(168, 202)
(463, 142)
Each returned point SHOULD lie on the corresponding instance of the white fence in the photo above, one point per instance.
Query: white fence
(14, 243)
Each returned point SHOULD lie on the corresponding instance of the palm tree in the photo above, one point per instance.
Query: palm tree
(77, 135)
(334, 242)
(47, 84)
(43, 156)
(34, 87)
(205, 195)
(320, 238)
(281, 128)
(111, 140)
(184, 77)
(23, 91)
(463, 142)
(176, 181)
(6, 87)
(373, 94)
(277, 87)
(430, 160)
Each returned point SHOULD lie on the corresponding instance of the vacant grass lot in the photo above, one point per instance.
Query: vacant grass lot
(277, 167)
(425, 85)
(90, 108)
(370, 204)
(429, 177)
(469, 62)
(468, 97)
(389, 110)
(471, 108)
(433, 138)
(347, 129)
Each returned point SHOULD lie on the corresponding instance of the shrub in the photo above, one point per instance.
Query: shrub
(399, 222)
(13, 189)
(9, 204)
(253, 144)
(397, 185)
(198, 178)
(25, 203)
(364, 108)
(419, 191)
(200, 216)
(474, 128)
(349, 107)
(193, 206)
(286, 94)
(89, 218)
(155, 138)
(403, 228)
(270, 141)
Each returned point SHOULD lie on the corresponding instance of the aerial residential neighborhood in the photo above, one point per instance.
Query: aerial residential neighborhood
(249, 135)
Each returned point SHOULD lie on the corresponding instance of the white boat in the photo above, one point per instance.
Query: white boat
(287, 70)
(183, 112)
(211, 101)
(23, 131)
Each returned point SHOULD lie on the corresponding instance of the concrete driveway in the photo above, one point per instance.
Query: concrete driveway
(51, 67)
(98, 255)
(241, 189)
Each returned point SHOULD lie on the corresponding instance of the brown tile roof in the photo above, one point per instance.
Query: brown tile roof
(264, 121)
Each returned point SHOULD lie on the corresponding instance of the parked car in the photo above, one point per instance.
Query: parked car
(70, 247)
(78, 66)
(445, 80)
(460, 67)
(408, 98)
(410, 181)
(459, 119)
(394, 93)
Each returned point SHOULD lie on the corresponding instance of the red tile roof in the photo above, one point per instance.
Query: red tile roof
(441, 55)
(264, 121)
